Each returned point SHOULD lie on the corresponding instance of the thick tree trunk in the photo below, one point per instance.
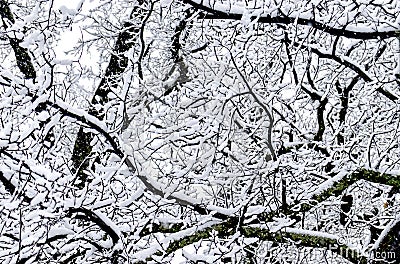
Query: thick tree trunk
(117, 65)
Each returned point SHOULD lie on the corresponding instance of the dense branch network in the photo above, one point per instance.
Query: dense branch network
(237, 114)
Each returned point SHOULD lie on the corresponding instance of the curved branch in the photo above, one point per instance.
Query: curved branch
(151, 186)
(95, 218)
(261, 104)
(333, 187)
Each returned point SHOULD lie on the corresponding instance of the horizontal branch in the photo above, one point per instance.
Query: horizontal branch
(219, 11)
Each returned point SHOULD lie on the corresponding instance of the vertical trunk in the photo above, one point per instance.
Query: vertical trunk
(398, 57)
(117, 65)
(22, 57)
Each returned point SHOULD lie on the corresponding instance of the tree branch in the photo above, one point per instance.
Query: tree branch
(217, 11)
(93, 217)
(303, 238)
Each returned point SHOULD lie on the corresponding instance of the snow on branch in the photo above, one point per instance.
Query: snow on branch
(100, 219)
(22, 56)
(224, 11)
(230, 228)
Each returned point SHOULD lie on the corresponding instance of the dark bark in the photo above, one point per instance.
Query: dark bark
(92, 217)
(7, 183)
(22, 56)
(347, 203)
(391, 243)
(116, 66)
(283, 19)
(320, 119)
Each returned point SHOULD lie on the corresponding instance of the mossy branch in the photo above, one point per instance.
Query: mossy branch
(228, 228)
(335, 190)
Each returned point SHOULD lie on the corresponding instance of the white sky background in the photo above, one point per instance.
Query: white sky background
(70, 37)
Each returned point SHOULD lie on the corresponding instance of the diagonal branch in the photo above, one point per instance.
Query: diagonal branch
(332, 187)
(303, 238)
(341, 60)
(7, 183)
